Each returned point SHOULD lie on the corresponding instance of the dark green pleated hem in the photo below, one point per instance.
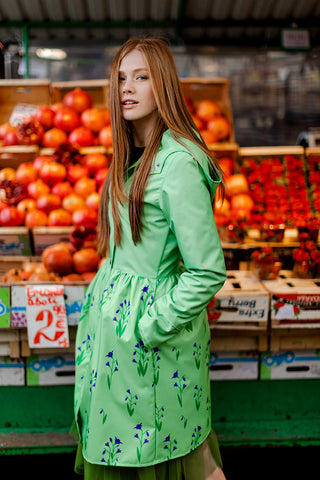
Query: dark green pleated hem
(194, 465)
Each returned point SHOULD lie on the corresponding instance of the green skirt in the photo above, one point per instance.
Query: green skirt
(196, 465)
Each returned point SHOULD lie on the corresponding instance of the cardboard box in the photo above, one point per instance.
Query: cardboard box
(216, 89)
(4, 305)
(242, 299)
(54, 369)
(294, 302)
(11, 371)
(73, 294)
(44, 237)
(290, 364)
(15, 241)
(234, 366)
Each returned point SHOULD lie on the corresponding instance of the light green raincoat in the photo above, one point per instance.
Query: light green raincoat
(142, 393)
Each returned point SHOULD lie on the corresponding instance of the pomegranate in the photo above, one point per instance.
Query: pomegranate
(59, 218)
(73, 202)
(26, 205)
(26, 173)
(105, 136)
(10, 138)
(86, 260)
(48, 202)
(7, 173)
(85, 216)
(45, 116)
(58, 259)
(62, 189)
(207, 109)
(35, 218)
(66, 119)
(94, 119)
(37, 188)
(29, 132)
(81, 137)
(10, 217)
(220, 127)
(52, 173)
(6, 128)
(77, 171)
(54, 137)
(84, 186)
(78, 99)
(95, 161)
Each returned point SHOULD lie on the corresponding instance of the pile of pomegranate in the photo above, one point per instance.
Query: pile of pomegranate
(75, 121)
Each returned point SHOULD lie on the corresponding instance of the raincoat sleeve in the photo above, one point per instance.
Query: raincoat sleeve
(186, 201)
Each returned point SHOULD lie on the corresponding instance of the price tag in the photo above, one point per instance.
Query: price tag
(46, 317)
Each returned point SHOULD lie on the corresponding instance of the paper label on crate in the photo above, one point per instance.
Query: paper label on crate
(21, 111)
(285, 312)
(46, 316)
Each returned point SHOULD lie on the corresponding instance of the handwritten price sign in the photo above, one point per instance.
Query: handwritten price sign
(46, 317)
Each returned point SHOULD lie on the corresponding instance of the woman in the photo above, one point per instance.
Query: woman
(142, 395)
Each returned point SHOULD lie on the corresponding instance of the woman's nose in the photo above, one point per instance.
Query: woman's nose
(127, 87)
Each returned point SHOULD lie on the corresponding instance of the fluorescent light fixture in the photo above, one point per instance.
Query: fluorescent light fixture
(51, 53)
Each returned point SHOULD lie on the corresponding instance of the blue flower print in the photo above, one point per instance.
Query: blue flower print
(196, 437)
(197, 354)
(158, 416)
(142, 436)
(155, 365)
(197, 396)
(170, 445)
(112, 449)
(140, 355)
(130, 400)
(180, 384)
(93, 379)
(103, 415)
(122, 317)
(113, 365)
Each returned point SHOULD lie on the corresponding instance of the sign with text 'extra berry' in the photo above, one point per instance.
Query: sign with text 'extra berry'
(46, 317)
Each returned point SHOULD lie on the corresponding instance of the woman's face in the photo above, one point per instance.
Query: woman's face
(135, 89)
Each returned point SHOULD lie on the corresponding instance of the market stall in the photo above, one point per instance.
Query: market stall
(54, 155)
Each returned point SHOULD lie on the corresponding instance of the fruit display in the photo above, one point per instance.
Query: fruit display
(66, 262)
(62, 189)
(269, 190)
(74, 121)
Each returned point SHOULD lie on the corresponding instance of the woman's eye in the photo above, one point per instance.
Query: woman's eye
(142, 77)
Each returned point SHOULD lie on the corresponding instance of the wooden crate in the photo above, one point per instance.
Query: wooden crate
(15, 241)
(10, 342)
(216, 89)
(232, 338)
(294, 338)
(43, 237)
(34, 92)
(13, 155)
(242, 302)
(98, 89)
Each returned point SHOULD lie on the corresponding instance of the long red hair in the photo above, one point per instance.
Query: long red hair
(173, 114)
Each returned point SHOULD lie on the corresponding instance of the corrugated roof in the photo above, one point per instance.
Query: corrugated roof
(187, 21)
